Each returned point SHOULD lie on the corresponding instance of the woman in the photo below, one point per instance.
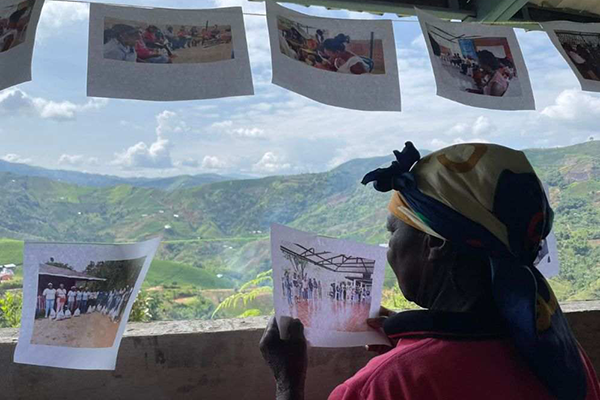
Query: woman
(497, 84)
(343, 60)
(466, 223)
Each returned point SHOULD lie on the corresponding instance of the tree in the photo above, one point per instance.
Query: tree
(247, 293)
(10, 310)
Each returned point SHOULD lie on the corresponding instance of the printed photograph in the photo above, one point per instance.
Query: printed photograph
(14, 21)
(81, 305)
(583, 49)
(330, 51)
(326, 291)
(475, 64)
(141, 42)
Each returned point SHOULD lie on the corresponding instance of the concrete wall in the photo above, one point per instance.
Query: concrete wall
(206, 360)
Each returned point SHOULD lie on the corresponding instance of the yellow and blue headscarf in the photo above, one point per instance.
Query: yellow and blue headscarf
(487, 198)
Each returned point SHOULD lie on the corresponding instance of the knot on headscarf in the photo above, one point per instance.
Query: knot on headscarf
(487, 199)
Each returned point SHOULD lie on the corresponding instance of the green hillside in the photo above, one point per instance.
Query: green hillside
(222, 227)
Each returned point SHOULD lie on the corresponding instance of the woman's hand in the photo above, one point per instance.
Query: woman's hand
(377, 323)
(288, 359)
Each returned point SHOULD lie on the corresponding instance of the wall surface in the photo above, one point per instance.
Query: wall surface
(210, 360)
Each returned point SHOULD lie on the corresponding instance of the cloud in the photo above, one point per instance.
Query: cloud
(158, 153)
(437, 144)
(482, 126)
(213, 162)
(252, 133)
(573, 105)
(77, 160)
(222, 124)
(270, 163)
(16, 101)
(15, 158)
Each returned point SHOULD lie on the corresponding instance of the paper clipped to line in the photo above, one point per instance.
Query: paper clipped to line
(17, 37)
(331, 285)
(579, 44)
(76, 302)
(339, 62)
(477, 65)
(167, 54)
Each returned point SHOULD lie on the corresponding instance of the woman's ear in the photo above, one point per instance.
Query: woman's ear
(437, 249)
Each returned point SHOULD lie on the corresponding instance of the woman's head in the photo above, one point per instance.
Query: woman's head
(126, 34)
(488, 60)
(337, 45)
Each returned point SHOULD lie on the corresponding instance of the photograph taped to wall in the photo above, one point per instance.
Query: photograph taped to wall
(477, 65)
(344, 63)
(579, 44)
(76, 301)
(167, 54)
(331, 285)
(18, 25)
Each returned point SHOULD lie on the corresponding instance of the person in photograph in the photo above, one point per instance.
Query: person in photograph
(120, 42)
(491, 327)
(497, 83)
(61, 297)
(16, 26)
(343, 60)
(78, 299)
(49, 297)
(71, 298)
(85, 295)
(154, 39)
(146, 55)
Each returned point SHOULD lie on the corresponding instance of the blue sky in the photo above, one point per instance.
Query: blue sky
(51, 123)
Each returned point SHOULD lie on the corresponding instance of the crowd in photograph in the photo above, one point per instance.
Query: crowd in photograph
(60, 303)
(331, 54)
(491, 75)
(585, 54)
(299, 287)
(13, 26)
(126, 42)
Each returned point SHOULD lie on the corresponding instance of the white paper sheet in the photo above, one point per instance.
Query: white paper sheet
(579, 44)
(302, 63)
(458, 52)
(17, 39)
(306, 270)
(206, 59)
(90, 340)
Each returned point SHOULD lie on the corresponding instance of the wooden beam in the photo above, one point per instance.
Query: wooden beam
(491, 11)
(446, 9)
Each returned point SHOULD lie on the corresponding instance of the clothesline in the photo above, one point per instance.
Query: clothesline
(245, 13)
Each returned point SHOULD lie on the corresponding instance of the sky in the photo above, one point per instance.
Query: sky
(50, 122)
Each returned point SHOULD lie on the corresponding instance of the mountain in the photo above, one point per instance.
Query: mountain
(97, 180)
(223, 226)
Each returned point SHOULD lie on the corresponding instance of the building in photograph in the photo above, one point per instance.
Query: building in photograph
(57, 275)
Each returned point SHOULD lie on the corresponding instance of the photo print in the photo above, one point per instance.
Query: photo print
(477, 65)
(167, 54)
(331, 285)
(579, 44)
(76, 301)
(340, 62)
(18, 24)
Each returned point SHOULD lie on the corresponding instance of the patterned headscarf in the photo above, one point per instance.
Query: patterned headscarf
(487, 199)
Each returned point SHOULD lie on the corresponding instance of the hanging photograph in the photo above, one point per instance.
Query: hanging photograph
(344, 63)
(331, 285)
(579, 44)
(477, 65)
(165, 54)
(18, 24)
(76, 302)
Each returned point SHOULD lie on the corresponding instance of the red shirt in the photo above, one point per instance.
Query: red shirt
(442, 369)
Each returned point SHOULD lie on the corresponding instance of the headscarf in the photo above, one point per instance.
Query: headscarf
(487, 199)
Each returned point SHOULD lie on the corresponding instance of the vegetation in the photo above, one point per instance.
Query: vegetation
(216, 234)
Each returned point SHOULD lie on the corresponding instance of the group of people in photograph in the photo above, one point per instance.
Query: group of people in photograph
(125, 42)
(300, 287)
(331, 54)
(58, 303)
(585, 54)
(491, 75)
(13, 27)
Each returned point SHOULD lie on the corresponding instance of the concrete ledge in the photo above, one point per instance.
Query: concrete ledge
(211, 360)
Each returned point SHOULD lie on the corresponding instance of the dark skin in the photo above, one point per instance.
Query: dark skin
(411, 254)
